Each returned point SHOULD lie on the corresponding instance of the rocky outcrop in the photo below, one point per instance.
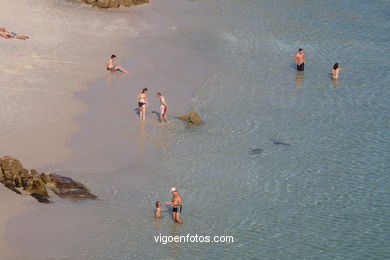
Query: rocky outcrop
(114, 3)
(18, 179)
(192, 119)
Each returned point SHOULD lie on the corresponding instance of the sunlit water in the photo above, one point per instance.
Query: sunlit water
(320, 187)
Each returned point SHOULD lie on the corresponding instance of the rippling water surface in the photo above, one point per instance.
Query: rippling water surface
(320, 187)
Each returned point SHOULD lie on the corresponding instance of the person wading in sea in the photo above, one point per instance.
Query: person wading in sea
(143, 103)
(300, 60)
(163, 107)
(176, 204)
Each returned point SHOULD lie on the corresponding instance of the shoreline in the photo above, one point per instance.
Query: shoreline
(47, 103)
(109, 121)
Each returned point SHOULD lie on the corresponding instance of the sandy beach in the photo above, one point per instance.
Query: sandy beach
(12, 205)
(69, 47)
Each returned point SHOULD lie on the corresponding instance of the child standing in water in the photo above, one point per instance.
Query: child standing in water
(158, 210)
(163, 107)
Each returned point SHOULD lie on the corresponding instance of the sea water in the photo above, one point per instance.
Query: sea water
(318, 185)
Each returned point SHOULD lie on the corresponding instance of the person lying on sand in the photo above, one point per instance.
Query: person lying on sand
(111, 66)
(11, 35)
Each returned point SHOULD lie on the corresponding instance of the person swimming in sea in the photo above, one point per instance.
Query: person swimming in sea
(112, 67)
(142, 103)
(11, 35)
(158, 210)
(335, 71)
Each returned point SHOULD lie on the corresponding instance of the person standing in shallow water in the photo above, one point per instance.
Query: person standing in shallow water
(112, 67)
(163, 107)
(158, 210)
(176, 204)
(335, 71)
(300, 60)
(142, 103)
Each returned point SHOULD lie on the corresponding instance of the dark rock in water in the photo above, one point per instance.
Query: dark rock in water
(12, 187)
(255, 151)
(277, 142)
(37, 187)
(41, 198)
(193, 119)
(66, 187)
(14, 176)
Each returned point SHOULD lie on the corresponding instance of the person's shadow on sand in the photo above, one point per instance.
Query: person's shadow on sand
(157, 115)
(137, 111)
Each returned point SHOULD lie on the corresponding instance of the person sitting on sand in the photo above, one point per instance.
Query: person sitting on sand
(163, 107)
(336, 70)
(142, 103)
(158, 210)
(112, 67)
(11, 35)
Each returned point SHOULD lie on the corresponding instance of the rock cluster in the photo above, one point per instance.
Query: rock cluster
(114, 3)
(16, 178)
(192, 119)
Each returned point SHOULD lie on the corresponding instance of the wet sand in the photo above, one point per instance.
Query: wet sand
(12, 205)
(69, 47)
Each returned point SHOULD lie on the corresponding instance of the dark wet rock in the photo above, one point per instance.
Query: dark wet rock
(12, 187)
(37, 187)
(67, 187)
(193, 119)
(114, 3)
(41, 198)
(15, 177)
(255, 151)
(278, 142)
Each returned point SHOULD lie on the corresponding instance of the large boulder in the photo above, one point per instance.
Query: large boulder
(192, 119)
(10, 167)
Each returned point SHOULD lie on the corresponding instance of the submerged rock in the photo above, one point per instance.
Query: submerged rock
(41, 198)
(255, 151)
(278, 142)
(67, 187)
(15, 178)
(193, 119)
(114, 3)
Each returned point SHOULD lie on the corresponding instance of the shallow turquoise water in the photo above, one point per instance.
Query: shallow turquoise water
(319, 189)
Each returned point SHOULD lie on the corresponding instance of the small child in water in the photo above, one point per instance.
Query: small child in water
(158, 210)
